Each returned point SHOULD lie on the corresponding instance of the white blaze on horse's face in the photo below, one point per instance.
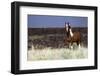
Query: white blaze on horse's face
(71, 33)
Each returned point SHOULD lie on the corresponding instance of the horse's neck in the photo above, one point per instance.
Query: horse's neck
(71, 33)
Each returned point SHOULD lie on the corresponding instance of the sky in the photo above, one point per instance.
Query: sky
(47, 21)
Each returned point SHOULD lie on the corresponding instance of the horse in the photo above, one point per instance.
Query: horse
(72, 37)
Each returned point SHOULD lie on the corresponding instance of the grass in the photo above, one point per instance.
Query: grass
(57, 54)
(36, 37)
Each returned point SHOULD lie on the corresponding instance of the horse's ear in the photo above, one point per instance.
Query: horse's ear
(69, 25)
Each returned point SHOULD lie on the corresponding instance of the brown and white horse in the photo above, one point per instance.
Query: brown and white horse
(72, 37)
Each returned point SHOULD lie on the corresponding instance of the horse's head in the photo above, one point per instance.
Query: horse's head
(68, 29)
(67, 26)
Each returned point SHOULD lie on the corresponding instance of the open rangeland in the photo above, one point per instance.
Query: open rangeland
(49, 44)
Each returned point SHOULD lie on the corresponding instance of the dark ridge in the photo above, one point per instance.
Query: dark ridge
(40, 31)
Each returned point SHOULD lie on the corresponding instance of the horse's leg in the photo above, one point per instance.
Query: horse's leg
(78, 44)
(71, 45)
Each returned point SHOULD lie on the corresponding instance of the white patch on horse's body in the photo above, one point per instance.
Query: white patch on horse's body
(71, 33)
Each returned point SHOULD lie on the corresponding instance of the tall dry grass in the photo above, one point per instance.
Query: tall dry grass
(57, 54)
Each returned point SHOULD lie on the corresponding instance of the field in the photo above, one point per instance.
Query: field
(49, 44)
(62, 53)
